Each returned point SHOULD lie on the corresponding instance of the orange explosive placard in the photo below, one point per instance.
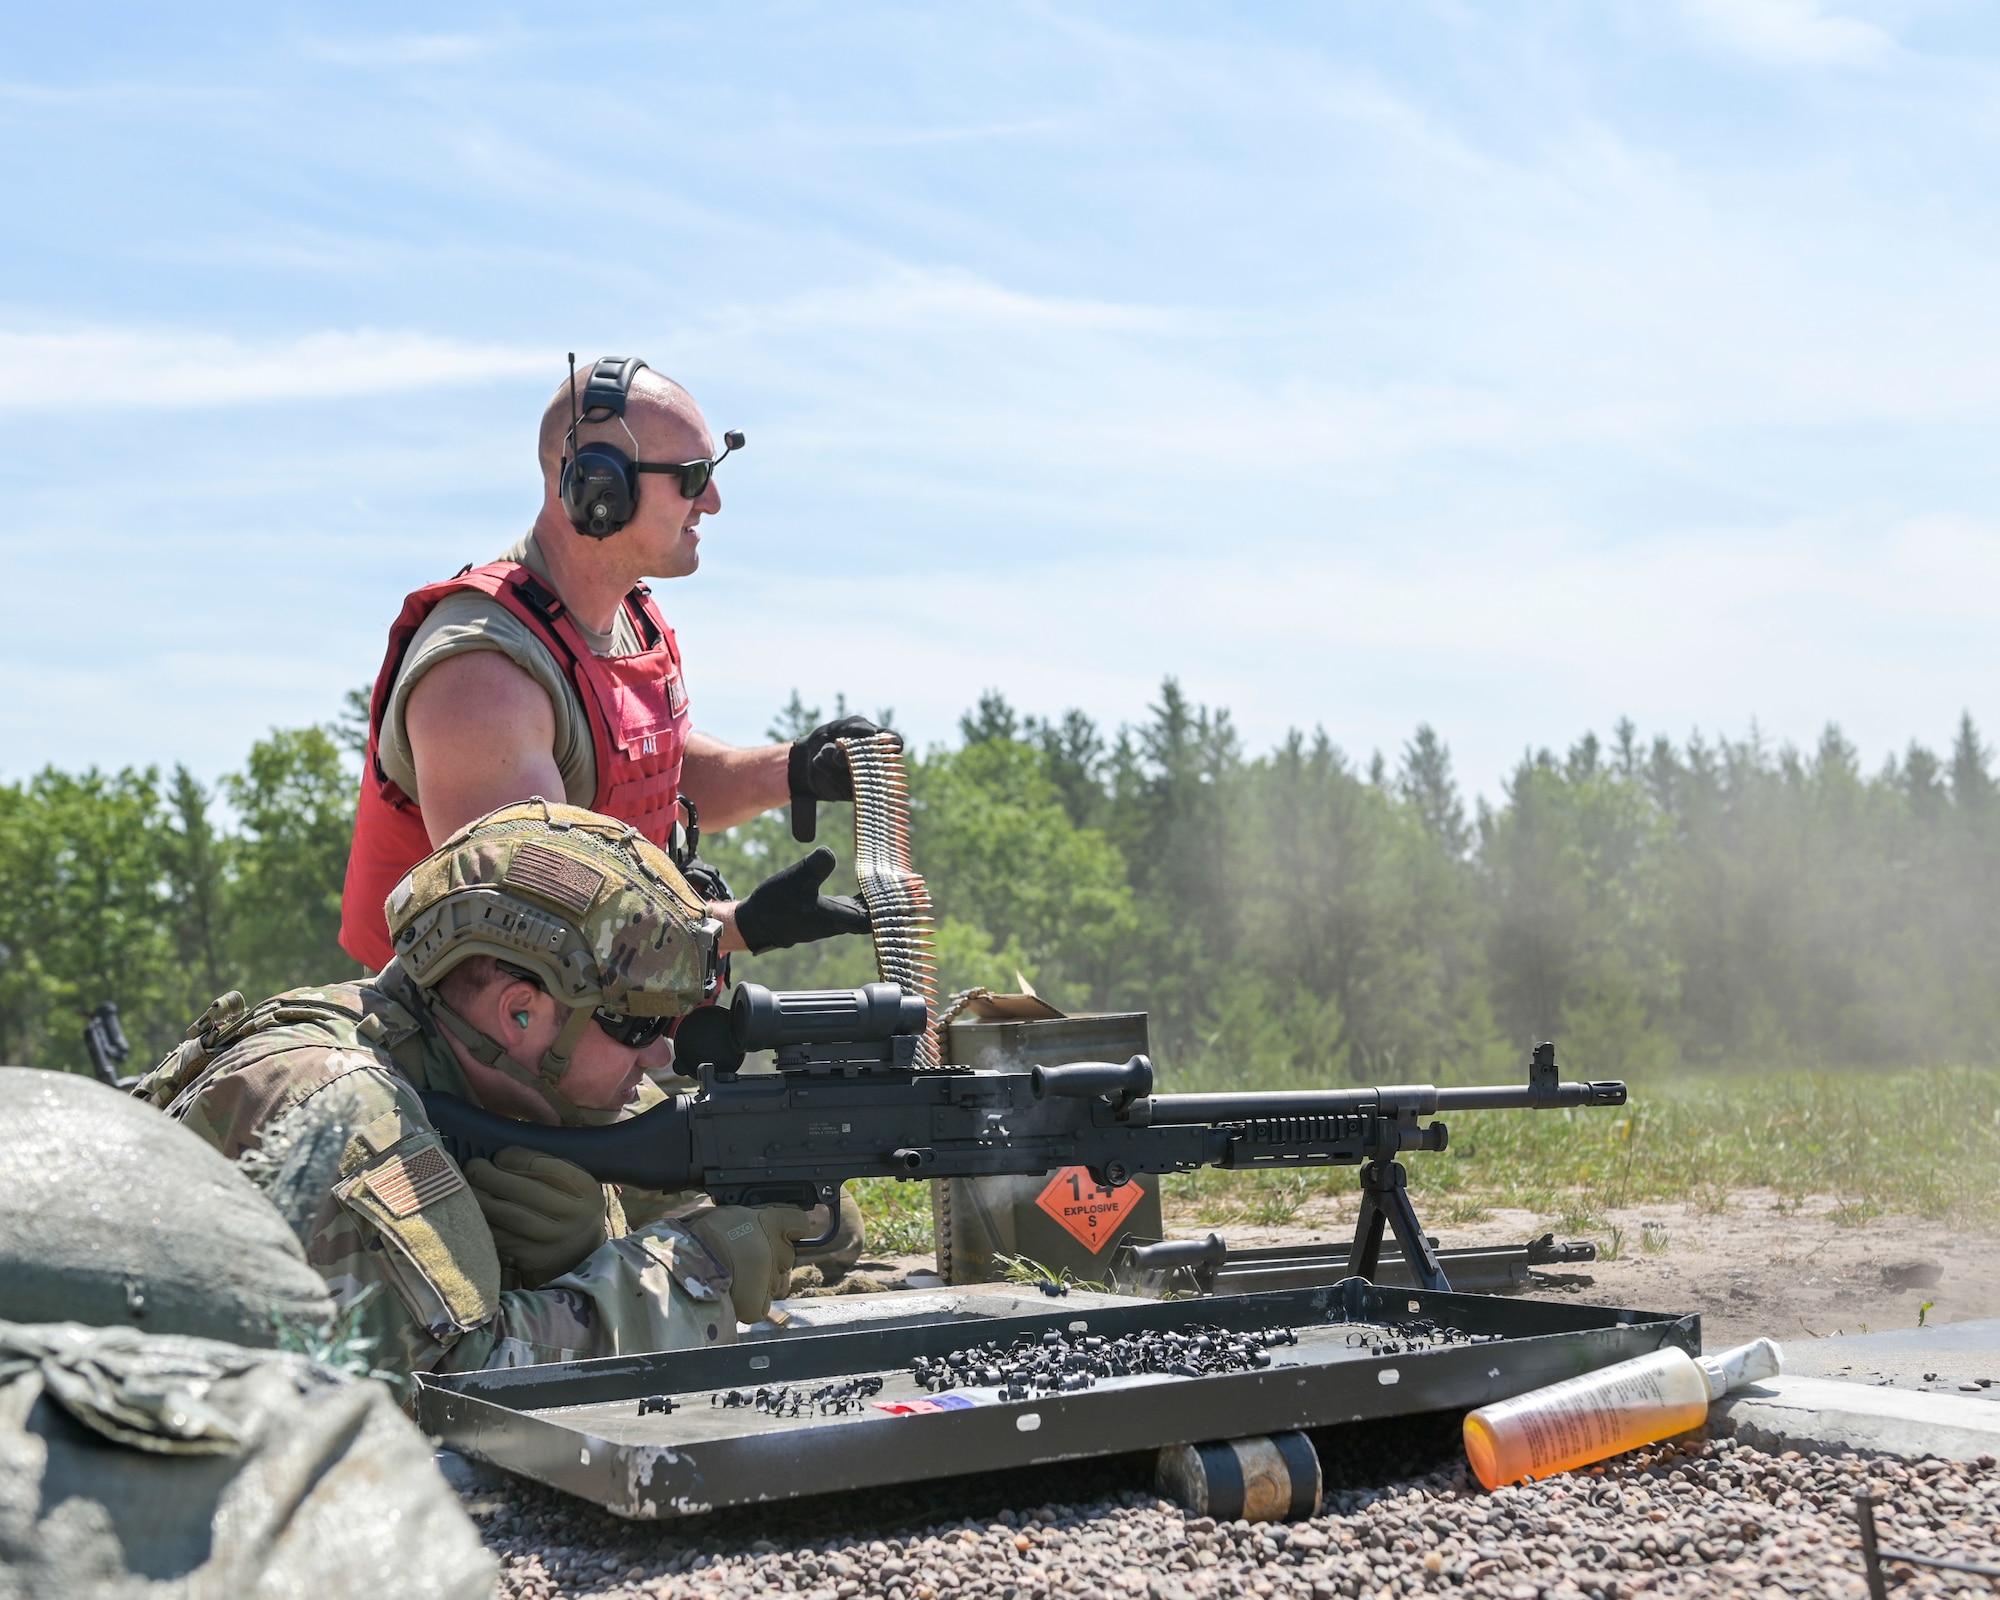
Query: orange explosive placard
(1086, 1208)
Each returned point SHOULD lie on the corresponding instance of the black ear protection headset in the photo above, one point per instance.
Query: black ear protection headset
(600, 482)
(600, 491)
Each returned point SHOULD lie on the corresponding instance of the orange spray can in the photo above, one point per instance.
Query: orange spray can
(1586, 1419)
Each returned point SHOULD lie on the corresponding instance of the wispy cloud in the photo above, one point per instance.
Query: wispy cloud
(1379, 364)
(955, 134)
(1790, 32)
(399, 50)
(917, 299)
(158, 369)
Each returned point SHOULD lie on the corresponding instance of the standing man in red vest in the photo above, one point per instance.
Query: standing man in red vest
(551, 672)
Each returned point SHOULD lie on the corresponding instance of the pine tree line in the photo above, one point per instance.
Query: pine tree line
(1290, 917)
(161, 895)
(1300, 917)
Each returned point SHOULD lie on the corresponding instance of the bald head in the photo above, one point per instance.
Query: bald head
(662, 426)
(658, 411)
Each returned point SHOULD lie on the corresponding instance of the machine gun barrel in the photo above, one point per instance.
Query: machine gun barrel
(1509, 1097)
(1390, 1100)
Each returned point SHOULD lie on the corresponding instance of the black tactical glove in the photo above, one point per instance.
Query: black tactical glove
(787, 907)
(817, 771)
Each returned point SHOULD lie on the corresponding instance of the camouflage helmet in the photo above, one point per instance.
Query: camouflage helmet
(595, 911)
(588, 904)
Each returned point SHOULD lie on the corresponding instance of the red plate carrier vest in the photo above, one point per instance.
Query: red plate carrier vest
(636, 706)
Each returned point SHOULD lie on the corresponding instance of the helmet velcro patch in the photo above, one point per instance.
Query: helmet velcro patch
(561, 878)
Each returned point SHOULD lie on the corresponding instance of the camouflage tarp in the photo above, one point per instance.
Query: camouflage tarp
(141, 1467)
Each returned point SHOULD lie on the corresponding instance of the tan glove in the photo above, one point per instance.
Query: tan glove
(836, 1258)
(756, 1243)
(643, 1206)
(546, 1214)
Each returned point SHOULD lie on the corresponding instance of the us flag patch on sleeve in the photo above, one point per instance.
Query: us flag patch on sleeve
(406, 1184)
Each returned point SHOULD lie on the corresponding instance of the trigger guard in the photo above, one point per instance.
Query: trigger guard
(829, 1196)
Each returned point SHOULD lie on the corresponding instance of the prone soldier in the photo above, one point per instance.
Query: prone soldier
(540, 954)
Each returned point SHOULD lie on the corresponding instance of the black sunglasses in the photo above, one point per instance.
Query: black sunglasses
(694, 475)
(634, 1033)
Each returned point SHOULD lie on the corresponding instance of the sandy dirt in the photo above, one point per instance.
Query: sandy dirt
(1757, 1268)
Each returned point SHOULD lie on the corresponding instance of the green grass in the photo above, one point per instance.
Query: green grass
(898, 1215)
(1027, 1271)
(1926, 1142)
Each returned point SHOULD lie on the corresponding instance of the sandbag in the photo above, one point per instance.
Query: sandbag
(147, 1467)
(112, 1213)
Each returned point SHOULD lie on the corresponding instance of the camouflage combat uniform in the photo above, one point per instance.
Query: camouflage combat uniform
(401, 1216)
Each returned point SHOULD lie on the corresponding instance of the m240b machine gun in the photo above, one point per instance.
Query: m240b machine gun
(848, 1101)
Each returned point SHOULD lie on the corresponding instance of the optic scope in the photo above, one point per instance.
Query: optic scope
(876, 1025)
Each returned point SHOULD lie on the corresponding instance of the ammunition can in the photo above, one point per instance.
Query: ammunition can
(1062, 1221)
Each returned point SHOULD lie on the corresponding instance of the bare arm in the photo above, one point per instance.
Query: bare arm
(728, 785)
(482, 734)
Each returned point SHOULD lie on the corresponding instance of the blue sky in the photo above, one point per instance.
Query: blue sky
(1510, 368)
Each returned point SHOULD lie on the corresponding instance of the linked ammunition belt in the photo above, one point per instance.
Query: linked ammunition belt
(899, 905)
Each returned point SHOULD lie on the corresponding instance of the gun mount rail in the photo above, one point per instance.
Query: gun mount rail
(1211, 1266)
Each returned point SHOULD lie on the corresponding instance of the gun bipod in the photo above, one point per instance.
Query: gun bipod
(1385, 1197)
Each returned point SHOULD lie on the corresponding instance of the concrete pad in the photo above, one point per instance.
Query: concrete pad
(1943, 1359)
(1828, 1416)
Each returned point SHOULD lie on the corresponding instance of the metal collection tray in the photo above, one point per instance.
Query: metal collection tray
(579, 1427)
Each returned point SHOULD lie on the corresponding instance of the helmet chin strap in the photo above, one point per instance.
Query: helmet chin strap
(546, 1077)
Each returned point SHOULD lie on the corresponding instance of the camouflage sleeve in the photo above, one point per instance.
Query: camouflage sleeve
(400, 1238)
(657, 1289)
(260, 1080)
(441, 1309)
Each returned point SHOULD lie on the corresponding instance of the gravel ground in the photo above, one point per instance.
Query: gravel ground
(1403, 1517)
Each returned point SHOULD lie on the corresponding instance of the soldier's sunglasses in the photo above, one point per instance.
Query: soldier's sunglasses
(634, 1033)
(694, 475)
